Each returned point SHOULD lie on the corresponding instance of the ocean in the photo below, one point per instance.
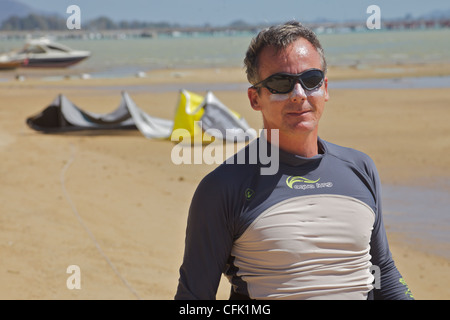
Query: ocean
(421, 215)
(125, 56)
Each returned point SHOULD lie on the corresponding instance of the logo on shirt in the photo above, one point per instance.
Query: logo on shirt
(298, 182)
(249, 193)
(291, 180)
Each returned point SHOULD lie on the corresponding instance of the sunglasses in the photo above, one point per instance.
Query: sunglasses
(285, 82)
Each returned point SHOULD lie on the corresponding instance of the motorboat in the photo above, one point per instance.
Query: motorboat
(44, 53)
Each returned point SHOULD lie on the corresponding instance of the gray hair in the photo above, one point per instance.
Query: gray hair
(279, 37)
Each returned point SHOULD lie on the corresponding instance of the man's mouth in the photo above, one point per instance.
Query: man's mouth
(298, 113)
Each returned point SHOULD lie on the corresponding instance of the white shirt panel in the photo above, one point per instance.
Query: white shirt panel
(308, 247)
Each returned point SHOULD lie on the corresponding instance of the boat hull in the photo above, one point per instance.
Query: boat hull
(62, 62)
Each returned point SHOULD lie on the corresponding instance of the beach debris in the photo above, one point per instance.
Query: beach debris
(141, 74)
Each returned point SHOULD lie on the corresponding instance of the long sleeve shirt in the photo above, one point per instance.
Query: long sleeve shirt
(312, 230)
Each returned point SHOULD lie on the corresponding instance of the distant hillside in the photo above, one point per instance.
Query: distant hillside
(437, 14)
(9, 8)
(13, 8)
(15, 15)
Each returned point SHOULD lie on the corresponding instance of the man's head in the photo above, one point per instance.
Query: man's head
(279, 37)
(286, 66)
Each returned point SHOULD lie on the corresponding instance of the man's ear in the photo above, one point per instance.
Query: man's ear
(327, 95)
(253, 97)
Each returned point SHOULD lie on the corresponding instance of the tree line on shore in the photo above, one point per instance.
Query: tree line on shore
(44, 23)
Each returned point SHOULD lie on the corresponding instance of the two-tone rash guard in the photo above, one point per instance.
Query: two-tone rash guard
(312, 230)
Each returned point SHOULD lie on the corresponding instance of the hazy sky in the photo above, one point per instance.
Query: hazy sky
(221, 12)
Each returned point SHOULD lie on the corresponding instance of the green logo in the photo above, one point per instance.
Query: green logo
(294, 179)
(408, 291)
(249, 193)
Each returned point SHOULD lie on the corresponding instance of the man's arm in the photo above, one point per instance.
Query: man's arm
(392, 285)
(208, 243)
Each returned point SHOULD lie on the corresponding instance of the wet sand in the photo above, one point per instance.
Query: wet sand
(114, 204)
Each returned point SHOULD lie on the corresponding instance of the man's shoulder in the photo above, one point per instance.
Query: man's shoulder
(233, 170)
(348, 154)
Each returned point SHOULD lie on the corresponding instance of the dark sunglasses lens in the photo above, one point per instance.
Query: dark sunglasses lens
(280, 84)
(312, 79)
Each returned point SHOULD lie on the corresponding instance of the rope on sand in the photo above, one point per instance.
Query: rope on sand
(80, 220)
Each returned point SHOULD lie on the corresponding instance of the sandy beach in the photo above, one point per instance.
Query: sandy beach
(114, 204)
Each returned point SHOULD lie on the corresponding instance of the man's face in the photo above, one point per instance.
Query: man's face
(298, 111)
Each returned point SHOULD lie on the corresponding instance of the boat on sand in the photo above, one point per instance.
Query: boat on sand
(44, 53)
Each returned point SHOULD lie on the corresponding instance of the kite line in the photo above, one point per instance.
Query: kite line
(85, 227)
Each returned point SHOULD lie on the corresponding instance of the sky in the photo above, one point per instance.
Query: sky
(223, 12)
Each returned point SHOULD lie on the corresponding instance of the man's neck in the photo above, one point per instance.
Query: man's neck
(302, 145)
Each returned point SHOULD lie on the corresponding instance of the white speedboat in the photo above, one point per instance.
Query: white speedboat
(44, 53)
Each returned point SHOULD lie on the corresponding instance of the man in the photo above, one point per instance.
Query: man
(313, 230)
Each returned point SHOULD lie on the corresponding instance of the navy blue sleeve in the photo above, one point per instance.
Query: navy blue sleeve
(391, 284)
(208, 243)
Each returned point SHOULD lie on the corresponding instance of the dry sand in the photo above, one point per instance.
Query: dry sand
(114, 204)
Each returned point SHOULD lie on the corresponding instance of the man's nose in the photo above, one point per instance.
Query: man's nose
(298, 93)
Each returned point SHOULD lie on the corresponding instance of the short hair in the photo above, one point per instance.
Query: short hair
(279, 37)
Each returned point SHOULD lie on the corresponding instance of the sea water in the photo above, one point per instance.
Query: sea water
(420, 214)
(125, 56)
